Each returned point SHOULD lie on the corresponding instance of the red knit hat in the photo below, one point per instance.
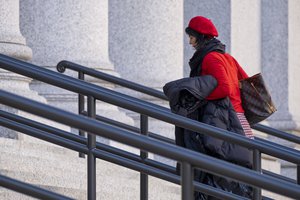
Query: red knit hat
(203, 25)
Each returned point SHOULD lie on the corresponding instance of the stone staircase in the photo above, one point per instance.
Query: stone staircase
(61, 170)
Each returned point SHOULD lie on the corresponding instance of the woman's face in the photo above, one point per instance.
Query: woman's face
(193, 41)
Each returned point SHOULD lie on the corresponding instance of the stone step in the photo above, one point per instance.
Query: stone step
(23, 161)
(67, 175)
(72, 193)
(67, 167)
(158, 190)
(33, 162)
(47, 179)
(40, 152)
(110, 178)
(12, 195)
(161, 189)
(64, 183)
(288, 169)
(36, 148)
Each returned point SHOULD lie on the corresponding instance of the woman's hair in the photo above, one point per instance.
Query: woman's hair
(201, 39)
(194, 33)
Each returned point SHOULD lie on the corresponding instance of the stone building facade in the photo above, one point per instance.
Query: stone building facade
(144, 41)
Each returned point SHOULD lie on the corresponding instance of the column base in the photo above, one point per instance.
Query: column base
(18, 51)
(283, 121)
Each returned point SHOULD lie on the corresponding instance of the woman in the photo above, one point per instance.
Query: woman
(210, 59)
(211, 95)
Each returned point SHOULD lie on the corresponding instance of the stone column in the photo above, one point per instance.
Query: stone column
(13, 44)
(146, 40)
(294, 62)
(246, 37)
(146, 46)
(275, 60)
(66, 30)
(279, 65)
(216, 10)
(69, 30)
(246, 34)
(293, 67)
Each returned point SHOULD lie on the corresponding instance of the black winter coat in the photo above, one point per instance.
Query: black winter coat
(187, 98)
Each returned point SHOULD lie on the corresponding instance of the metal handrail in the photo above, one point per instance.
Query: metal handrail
(30, 190)
(206, 163)
(131, 128)
(165, 139)
(133, 104)
(137, 105)
(101, 146)
(63, 65)
(277, 133)
(116, 156)
(82, 140)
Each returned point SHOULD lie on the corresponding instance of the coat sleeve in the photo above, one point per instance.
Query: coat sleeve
(214, 66)
(188, 94)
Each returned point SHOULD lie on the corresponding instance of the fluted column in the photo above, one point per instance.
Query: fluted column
(146, 46)
(146, 40)
(279, 66)
(216, 10)
(246, 34)
(246, 37)
(71, 30)
(275, 60)
(12, 43)
(66, 30)
(294, 61)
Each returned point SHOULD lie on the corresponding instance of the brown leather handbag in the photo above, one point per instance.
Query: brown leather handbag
(256, 99)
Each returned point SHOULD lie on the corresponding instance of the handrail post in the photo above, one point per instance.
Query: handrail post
(143, 155)
(81, 109)
(91, 157)
(256, 167)
(187, 177)
(298, 174)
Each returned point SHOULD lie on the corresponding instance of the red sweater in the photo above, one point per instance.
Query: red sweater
(227, 71)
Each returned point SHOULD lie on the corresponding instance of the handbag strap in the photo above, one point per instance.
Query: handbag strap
(240, 72)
